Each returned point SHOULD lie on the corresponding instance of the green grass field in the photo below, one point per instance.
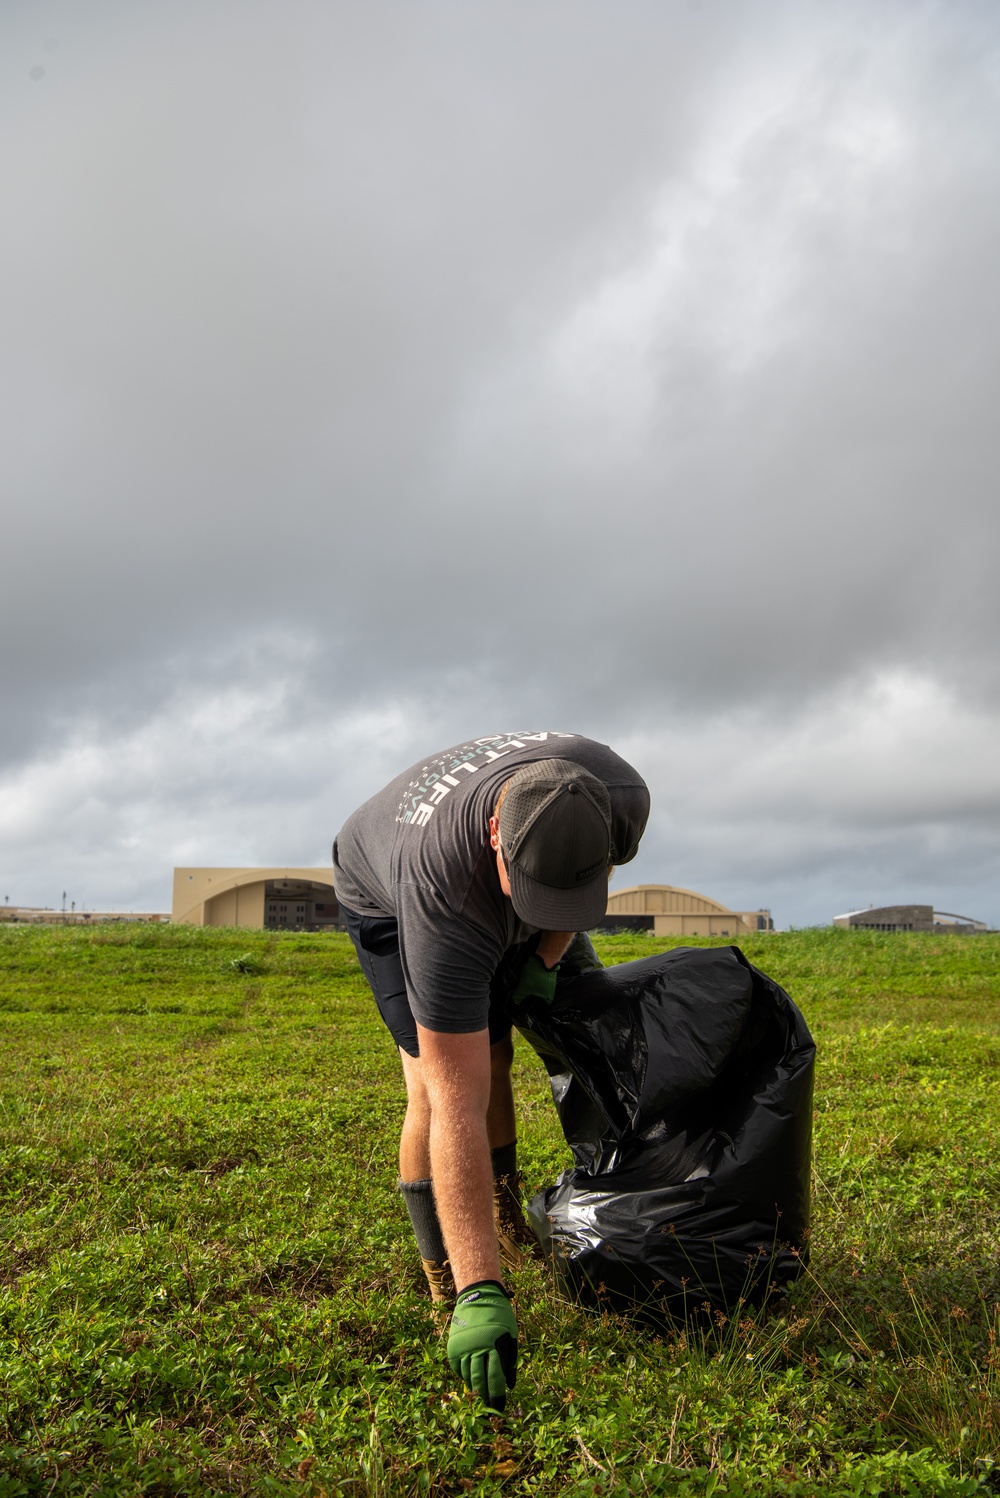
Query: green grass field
(208, 1283)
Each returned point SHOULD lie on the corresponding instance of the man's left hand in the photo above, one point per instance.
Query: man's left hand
(536, 981)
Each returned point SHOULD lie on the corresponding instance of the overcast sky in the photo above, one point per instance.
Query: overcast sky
(375, 376)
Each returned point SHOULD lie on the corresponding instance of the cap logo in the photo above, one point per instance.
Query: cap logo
(583, 874)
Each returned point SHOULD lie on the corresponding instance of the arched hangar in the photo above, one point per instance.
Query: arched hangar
(670, 910)
(268, 899)
(909, 918)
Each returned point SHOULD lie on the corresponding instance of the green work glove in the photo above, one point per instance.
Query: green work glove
(482, 1342)
(536, 981)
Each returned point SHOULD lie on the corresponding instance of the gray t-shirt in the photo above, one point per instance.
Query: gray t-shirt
(420, 851)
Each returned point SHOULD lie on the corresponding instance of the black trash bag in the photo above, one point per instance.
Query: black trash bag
(684, 1086)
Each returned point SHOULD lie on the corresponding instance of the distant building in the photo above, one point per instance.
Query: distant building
(668, 910)
(908, 918)
(264, 899)
(34, 915)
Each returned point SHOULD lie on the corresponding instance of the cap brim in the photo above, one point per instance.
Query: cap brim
(558, 909)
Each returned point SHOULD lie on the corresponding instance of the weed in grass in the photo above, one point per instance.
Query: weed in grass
(247, 964)
(208, 1284)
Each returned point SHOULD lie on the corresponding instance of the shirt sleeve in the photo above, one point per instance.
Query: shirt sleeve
(448, 962)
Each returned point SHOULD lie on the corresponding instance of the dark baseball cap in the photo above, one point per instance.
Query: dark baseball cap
(555, 832)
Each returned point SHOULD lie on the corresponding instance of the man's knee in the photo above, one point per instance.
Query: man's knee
(416, 1090)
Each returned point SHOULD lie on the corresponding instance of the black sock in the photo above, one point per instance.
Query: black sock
(504, 1160)
(419, 1199)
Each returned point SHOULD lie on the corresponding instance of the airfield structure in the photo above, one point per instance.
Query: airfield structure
(670, 910)
(44, 915)
(909, 918)
(285, 899)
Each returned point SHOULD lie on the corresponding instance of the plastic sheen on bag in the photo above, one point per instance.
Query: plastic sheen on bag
(684, 1086)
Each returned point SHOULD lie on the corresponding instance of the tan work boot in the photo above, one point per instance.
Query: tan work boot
(515, 1240)
(442, 1287)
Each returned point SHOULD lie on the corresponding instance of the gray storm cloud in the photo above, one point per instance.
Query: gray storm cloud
(376, 375)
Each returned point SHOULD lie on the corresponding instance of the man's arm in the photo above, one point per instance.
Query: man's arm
(482, 1340)
(553, 946)
(456, 1072)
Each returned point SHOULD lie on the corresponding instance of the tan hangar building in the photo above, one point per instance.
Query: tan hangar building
(293, 899)
(669, 910)
(909, 918)
(268, 899)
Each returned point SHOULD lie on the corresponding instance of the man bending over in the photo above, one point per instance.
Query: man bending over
(463, 883)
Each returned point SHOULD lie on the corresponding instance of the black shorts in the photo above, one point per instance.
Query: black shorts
(376, 941)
